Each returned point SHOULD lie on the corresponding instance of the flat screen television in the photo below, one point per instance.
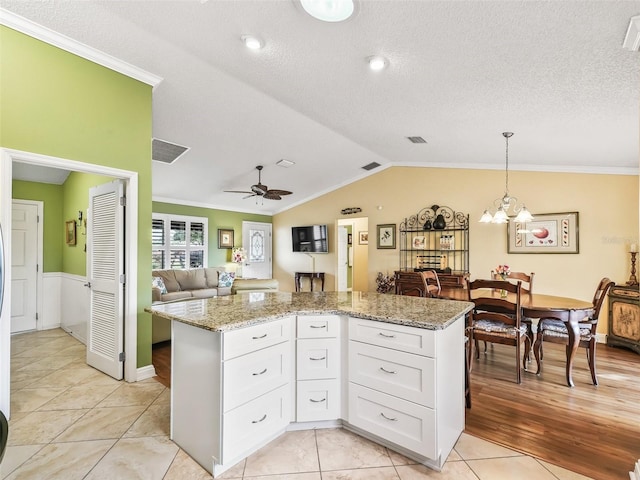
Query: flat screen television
(311, 239)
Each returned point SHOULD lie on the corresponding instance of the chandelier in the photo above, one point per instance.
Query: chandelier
(507, 205)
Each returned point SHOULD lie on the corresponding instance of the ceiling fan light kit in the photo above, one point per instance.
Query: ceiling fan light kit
(260, 190)
(329, 10)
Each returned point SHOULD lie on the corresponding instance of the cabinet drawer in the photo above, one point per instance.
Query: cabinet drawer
(318, 400)
(399, 337)
(317, 358)
(249, 339)
(318, 326)
(252, 423)
(249, 376)
(404, 375)
(404, 423)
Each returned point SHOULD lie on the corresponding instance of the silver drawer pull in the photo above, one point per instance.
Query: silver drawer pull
(317, 401)
(258, 421)
(260, 373)
(321, 358)
(386, 336)
(258, 338)
(318, 326)
(391, 419)
(388, 371)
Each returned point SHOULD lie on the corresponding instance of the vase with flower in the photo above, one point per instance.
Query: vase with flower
(238, 256)
(503, 272)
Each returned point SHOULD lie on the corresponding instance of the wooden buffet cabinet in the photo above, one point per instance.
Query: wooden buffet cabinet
(624, 317)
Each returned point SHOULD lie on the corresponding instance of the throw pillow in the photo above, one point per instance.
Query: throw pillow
(157, 282)
(225, 279)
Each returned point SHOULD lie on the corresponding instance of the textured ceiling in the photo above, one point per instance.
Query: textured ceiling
(460, 73)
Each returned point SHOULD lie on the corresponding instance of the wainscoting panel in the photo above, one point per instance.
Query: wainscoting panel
(75, 306)
(50, 315)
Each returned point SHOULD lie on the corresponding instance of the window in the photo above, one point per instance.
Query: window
(178, 241)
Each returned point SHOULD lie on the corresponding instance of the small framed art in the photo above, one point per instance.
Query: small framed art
(386, 235)
(225, 238)
(546, 233)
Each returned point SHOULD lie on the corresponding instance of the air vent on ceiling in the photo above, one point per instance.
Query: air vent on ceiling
(371, 166)
(416, 140)
(166, 152)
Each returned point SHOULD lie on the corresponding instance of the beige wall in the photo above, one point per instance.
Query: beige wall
(608, 223)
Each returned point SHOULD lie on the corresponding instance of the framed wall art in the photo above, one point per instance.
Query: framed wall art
(363, 238)
(70, 232)
(225, 238)
(546, 233)
(386, 235)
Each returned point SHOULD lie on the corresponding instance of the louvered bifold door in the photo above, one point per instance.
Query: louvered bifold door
(105, 246)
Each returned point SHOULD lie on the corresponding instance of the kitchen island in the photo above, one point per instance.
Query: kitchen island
(246, 368)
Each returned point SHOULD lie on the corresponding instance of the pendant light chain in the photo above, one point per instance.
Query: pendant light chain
(506, 181)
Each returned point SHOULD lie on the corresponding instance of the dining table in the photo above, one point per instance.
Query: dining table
(532, 305)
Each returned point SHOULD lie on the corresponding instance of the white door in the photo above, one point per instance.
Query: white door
(24, 266)
(105, 274)
(256, 240)
(342, 258)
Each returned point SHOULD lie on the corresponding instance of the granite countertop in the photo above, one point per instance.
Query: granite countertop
(230, 312)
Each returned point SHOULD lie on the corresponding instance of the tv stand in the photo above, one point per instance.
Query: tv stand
(310, 276)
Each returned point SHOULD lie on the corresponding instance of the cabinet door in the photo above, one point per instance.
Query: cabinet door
(400, 374)
(318, 358)
(398, 337)
(251, 375)
(318, 400)
(405, 423)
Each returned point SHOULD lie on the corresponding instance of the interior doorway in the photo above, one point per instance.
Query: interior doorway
(352, 248)
(130, 179)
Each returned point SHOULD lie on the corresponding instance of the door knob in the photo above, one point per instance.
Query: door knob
(88, 284)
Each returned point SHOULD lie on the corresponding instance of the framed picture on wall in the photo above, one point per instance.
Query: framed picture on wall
(363, 238)
(70, 232)
(386, 235)
(225, 238)
(349, 239)
(546, 233)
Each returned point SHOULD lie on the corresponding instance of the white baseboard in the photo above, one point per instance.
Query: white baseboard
(145, 372)
(601, 338)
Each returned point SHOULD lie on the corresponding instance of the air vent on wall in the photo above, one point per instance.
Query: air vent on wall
(371, 166)
(416, 140)
(166, 152)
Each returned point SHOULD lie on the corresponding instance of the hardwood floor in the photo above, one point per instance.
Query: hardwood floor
(593, 430)
(161, 359)
(587, 429)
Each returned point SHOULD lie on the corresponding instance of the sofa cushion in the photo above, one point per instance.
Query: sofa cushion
(168, 278)
(168, 297)
(211, 274)
(225, 279)
(222, 291)
(191, 279)
(205, 292)
(157, 282)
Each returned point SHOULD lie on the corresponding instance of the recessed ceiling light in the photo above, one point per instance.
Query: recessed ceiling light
(328, 10)
(252, 42)
(377, 63)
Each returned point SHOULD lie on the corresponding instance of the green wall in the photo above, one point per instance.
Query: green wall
(55, 103)
(52, 221)
(217, 219)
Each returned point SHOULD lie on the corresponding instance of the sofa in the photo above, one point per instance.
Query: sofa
(175, 285)
(204, 283)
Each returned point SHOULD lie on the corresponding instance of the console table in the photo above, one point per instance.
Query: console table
(310, 276)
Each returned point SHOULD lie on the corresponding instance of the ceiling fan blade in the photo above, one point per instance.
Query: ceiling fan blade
(236, 191)
(270, 195)
(249, 196)
(280, 192)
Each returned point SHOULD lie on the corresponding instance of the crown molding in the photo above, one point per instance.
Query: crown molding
(23, 25)
(632, 38)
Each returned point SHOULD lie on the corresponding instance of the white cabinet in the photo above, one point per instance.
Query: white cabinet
(318, 368)
(406, 386)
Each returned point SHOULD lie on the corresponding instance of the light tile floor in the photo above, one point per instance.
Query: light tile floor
(70, 421)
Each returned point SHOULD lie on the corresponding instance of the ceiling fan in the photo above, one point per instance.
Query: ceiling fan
(260, 190)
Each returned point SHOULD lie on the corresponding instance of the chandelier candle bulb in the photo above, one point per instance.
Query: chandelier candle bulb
(633, 248)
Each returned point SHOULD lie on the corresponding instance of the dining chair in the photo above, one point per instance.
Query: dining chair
(431, 283)
(554, 329)
(525, 278)
(498, 320)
